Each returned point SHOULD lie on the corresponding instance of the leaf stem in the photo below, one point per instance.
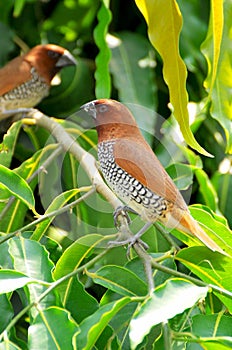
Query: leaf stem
(91, 190)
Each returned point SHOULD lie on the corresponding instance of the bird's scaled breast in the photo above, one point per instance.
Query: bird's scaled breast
(27, 94)
(150, 206)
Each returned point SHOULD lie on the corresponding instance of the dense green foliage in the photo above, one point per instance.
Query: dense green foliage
(61, 285)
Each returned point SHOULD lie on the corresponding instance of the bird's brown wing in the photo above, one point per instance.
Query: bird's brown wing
(137, 159)
(15, 73)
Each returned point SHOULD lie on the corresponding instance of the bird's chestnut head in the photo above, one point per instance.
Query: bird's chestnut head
(49, 59)
(112, 119)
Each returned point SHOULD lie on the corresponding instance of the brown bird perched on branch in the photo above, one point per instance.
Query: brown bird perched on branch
(26, 79)
(135, 174)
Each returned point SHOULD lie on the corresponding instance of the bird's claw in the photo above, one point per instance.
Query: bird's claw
(122, 210)
(130, 241)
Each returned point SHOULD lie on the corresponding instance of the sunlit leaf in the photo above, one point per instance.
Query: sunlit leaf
(17, 186)
(217, 50)
(216, 228)
(181, 174)
(8, 145)
(102, 76)
(11, 280)
(7, 344)
(206, 189)
(211, 267)
(164, 27)
(132, 73)
(93, 326)
(46, 330)
(57, 203)
(72, 259)
(32, 259)
(165, 302)
(120, 280)
(214, 330)
(18, 7)
(15, 215)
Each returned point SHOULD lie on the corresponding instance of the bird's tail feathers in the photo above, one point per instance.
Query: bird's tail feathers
(191, 226)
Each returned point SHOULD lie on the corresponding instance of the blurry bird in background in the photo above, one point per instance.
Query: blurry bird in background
(26, 79)
(135, 174)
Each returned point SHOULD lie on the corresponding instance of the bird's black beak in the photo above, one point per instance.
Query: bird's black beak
(90, 108)
(66, 60)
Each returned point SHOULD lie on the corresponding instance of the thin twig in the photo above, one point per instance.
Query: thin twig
(167, 236)
(49, 215)
(146, 259)
(189, 278)
(32, 177)
(46, 163)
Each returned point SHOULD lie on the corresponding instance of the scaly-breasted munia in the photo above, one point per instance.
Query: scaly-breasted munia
(26, 79)
(135, 174)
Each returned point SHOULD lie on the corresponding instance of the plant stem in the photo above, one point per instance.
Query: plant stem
(91, 190)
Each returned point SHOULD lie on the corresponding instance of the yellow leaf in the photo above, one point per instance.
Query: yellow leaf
(217, 50)
(164, 22)
(217, 31)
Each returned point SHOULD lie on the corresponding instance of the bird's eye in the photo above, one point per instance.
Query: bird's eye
(102, 108)
(53, 54)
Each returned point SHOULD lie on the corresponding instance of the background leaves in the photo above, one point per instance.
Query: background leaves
(61, 284)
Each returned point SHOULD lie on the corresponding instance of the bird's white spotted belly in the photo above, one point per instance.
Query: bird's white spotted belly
(149, 205)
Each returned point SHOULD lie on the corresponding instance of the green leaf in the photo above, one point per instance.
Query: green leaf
(63, 99)
(72, 258)
(193, 32)
(108, 337)
(7, 344)
(92, 327)
(223, 185)
(102, 76)
(53, 329)
(164, 27)
(181, 174)
(120, 280)
(213, 226)
(165, 302)
(6, 309)
(214, 38)
(206, 189)
(14, 218)
(214, 329)
(56, 204)
(218, 51)
(78, 301)
(211, 267)
(9, 143)
(5, 258)
(11, 280)
(132, 67)
(32, 259)
(18, 7)
(7, 32)
(16, 186)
